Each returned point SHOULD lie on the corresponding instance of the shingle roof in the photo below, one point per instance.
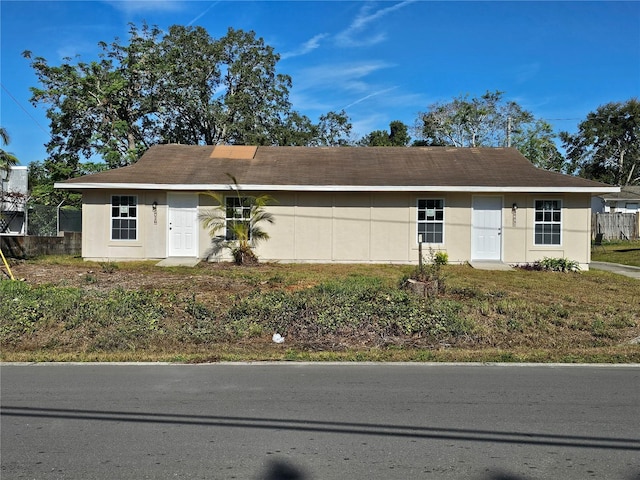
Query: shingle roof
(334, 168)
(626, 193)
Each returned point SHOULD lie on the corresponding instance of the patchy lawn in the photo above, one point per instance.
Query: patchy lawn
(66, 309)
(625, 253)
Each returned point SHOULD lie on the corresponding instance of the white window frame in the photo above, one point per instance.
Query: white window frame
(426, 219)
(550, 218)
(238, 211)
(126, 213)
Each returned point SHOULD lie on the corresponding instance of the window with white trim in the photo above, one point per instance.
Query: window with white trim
(548, 222)
(124, 217)
(238, 211)
(431, 220)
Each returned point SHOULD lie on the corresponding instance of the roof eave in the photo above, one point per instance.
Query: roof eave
(336, 188)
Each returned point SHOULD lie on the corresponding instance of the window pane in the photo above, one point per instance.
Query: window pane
(430, 220)
(123, 217)
(547, 222)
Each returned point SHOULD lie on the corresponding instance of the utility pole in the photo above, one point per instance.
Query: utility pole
(509, 131)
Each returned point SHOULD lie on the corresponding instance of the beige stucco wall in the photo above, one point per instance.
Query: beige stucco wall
(96, 227)
(349, 227)
(519, 243)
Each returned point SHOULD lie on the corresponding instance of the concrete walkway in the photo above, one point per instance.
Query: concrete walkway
(627, 270)
(489, 265)
(178, 262)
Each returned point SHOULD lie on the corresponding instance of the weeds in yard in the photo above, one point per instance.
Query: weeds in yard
(119, 319)
(325, 312)
(108, 267)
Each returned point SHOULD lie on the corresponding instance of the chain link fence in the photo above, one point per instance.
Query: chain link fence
(47, 221)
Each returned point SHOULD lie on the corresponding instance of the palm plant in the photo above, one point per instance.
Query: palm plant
(7, 160)
(241, 218)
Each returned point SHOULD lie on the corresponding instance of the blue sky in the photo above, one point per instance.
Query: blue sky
(380, 61)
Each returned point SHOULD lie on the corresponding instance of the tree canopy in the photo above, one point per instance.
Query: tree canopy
(483, 121)
(607, 144)
(397, 136)
(536, 141)
(489, 121)
(180, 87)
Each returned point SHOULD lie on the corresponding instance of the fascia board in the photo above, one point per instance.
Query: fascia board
(332, 188)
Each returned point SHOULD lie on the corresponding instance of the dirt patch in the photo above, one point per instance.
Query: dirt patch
(207, 282)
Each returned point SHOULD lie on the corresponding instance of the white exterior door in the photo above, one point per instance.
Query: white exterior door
(183, 225)
(486, 228)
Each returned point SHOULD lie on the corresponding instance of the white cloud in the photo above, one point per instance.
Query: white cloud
(307, 47)
(131, 7)
(354, 35)
(213, 4)
(347, 76)
(367, 97)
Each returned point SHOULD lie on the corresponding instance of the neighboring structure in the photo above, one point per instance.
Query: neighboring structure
(342, 204)
(617, 215)
(13, 200)
(627, 200)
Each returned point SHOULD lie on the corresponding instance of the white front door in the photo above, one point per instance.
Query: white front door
(183, 225)
(486, 228)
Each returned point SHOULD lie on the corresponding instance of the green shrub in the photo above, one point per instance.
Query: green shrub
(559, 264)
(552, 265)
(124, 317)
(441, 258)
(357, 304)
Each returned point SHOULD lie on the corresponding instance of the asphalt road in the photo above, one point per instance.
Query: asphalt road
(301, 421)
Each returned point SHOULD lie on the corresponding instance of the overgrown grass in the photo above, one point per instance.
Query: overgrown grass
(325, 312)
(625, 253)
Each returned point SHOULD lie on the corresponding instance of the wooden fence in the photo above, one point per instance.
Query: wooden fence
(616, 226)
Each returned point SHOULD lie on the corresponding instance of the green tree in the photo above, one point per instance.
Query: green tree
(241, 218)
(7, 159)
(179, 87)
(397, 136)
(333, 130)
(296, 130)
(100, 107)
(219, 91)
(607, 144)
(485, 121)
(536, 141)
